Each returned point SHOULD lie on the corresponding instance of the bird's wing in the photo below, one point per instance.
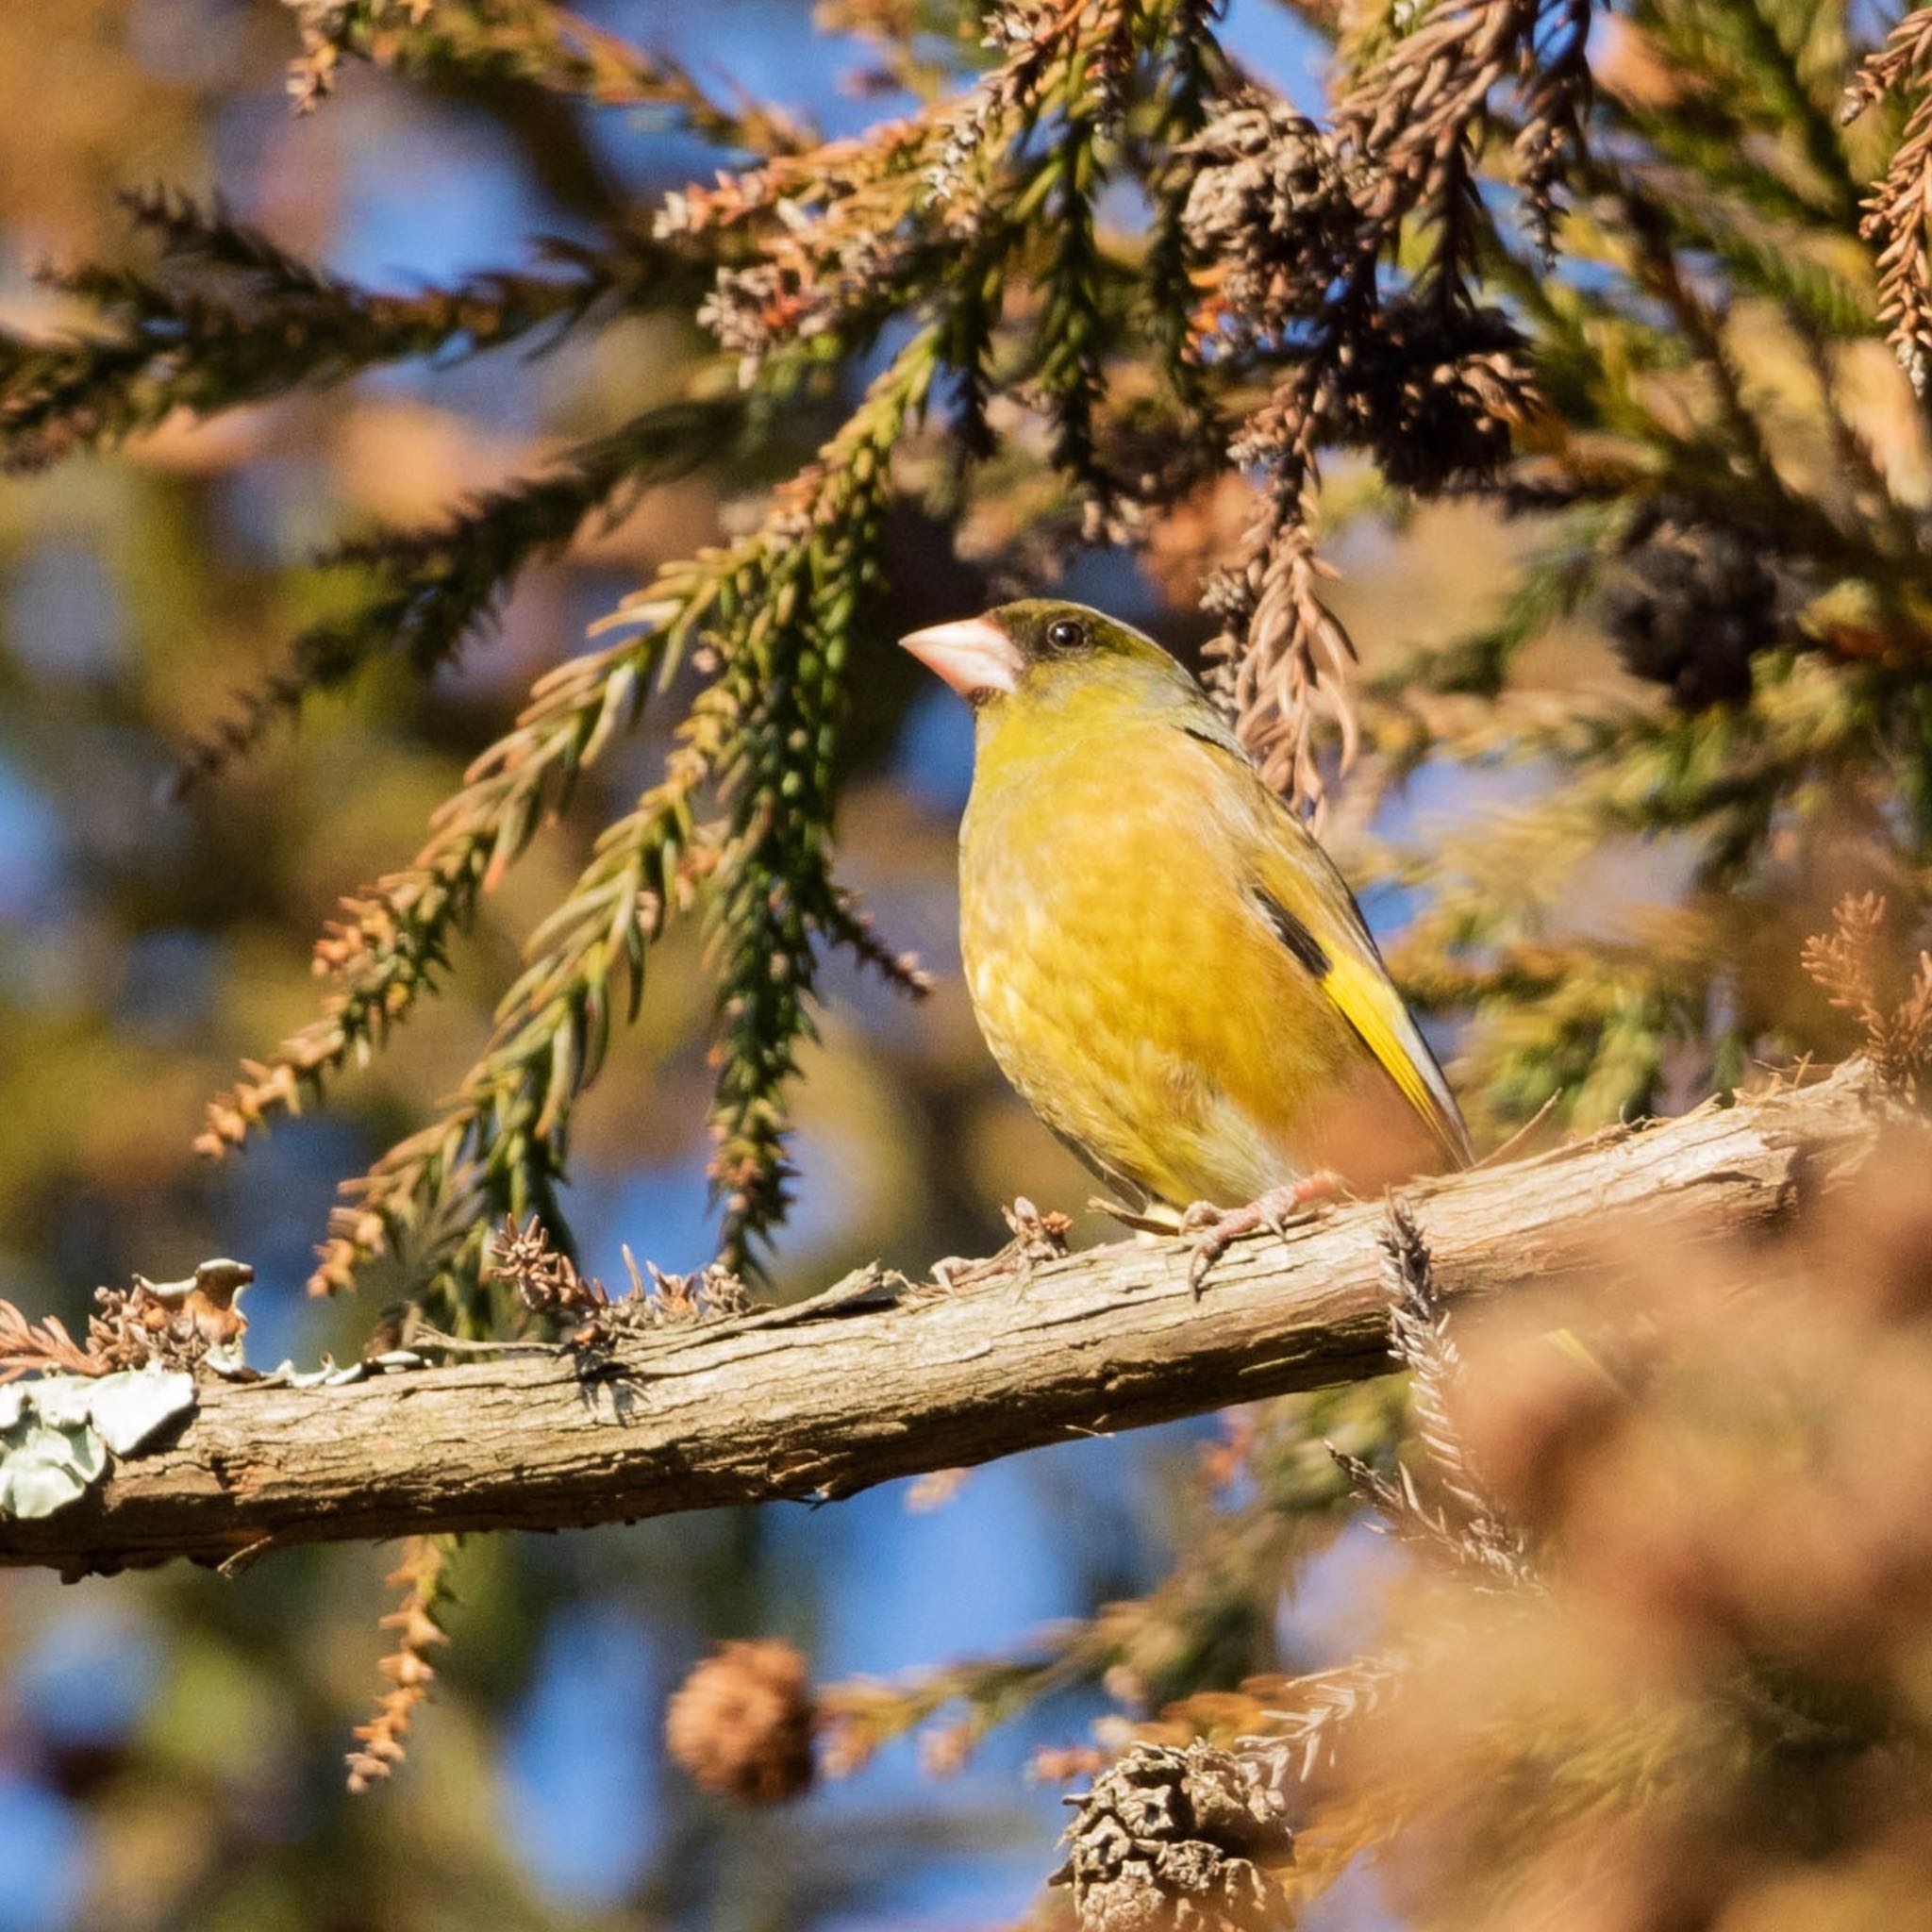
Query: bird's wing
(1309, 906)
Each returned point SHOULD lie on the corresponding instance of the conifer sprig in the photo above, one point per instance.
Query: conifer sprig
(434, 588)
(394, 939)
(776, 898)
(227, 317)
(1190, 71)
(499, 1142)
(1896, 220)
(743, 812)
(532, 42)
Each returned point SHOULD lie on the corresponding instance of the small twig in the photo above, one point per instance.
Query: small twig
(1497, 1156)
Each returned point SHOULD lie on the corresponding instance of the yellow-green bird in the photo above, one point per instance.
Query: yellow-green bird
(1163, 960)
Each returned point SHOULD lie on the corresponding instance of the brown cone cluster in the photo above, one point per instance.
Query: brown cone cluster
(1180, 1840)
(741, 1723)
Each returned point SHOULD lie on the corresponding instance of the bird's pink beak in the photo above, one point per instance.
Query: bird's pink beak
(973, 656)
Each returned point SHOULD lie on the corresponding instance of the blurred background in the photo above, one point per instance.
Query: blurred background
(171, 1746)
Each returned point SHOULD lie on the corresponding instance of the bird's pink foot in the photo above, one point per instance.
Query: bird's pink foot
(1218, 1228)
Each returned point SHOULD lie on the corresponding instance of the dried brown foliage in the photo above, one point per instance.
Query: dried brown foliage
(172, 1324)
(548, 1283)
(1900, 202)
(742, 1723)
(178, 1324)
(422, 1576)
(1036, 1235)
(46, 1347)
(1459, 1520)
(1860, 974)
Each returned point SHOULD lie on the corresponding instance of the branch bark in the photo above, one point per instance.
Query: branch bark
(823, 1399)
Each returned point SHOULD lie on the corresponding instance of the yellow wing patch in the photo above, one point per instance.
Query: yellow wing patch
(1364, 997)
(1307, 902)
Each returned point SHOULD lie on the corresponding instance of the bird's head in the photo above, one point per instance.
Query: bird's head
(1041, 650)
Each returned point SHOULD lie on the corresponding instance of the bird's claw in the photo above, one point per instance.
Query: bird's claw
(1218, 1228)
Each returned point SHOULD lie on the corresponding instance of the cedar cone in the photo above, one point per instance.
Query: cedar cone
(1180, 1840)
(1690, 606)
(741, 1723)
(1435, 396)
(1269, 212)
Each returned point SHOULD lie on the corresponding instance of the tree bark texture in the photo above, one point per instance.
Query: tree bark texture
(874, 1380)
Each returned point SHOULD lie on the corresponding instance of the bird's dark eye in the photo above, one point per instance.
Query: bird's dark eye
(1066, 634)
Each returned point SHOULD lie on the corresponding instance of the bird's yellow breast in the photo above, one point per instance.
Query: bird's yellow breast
(1124, 976)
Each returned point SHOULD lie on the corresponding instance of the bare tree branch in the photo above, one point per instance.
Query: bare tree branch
(878, 1378)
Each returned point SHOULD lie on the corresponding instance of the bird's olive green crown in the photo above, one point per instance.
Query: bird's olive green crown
(1048, 633)
(1044, 650)
(1075, 664)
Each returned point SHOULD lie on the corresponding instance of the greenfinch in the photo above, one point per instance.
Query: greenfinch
(1163, 961)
